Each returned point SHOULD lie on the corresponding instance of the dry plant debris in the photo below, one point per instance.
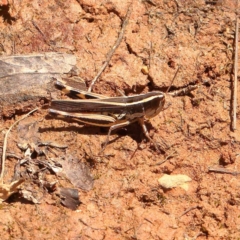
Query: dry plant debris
(6, 190)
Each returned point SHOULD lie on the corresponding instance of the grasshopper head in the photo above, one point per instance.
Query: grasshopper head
(154, 104)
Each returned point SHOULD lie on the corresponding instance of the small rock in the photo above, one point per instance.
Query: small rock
(172, 181)
(145, 70)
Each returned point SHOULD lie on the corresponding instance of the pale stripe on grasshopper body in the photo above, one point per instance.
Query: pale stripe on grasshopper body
(77, 89)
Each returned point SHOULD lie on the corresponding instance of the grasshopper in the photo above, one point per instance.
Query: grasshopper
(113, 112)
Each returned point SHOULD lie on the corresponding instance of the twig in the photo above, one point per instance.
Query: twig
(5, 144)
(223, 170)
(52, 144)
(39, 30)
(84, 223)
(148, 221)
(234, 113)
(175, 75)
(111, 52)
(188, 210)
(168, 157)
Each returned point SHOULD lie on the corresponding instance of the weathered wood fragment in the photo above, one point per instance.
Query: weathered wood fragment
(27, 79)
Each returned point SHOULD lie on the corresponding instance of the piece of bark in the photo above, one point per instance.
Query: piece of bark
(27, 79)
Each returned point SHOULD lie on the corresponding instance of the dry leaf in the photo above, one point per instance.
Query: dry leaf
(69, 198)
(78, 173)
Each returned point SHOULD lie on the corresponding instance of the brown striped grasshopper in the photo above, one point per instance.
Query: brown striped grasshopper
(113, 112)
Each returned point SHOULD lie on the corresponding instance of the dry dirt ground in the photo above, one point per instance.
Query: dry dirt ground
(193, 132)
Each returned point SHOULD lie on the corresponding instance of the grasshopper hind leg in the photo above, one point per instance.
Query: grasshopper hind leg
(112, 128)
(124, 124)
(146, 133)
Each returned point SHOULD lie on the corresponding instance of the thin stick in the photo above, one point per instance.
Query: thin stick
(39, 30)
(5, 144)
(223, 170)
(234, 117)
(167, 158)
(111, 52)
(175, 75)
(188, 210)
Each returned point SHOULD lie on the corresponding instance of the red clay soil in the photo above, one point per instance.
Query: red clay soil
(193, 132)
